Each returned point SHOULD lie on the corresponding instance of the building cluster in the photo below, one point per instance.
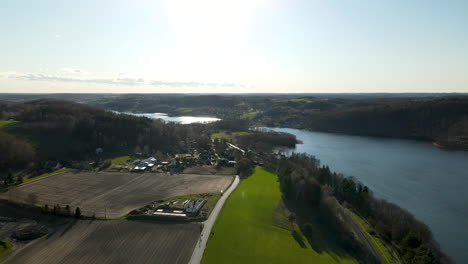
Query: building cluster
(189, 207)
(142, 165)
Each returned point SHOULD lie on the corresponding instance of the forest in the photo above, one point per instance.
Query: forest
(442, 119)
(70, 133)
(311, 189)
(439, 119)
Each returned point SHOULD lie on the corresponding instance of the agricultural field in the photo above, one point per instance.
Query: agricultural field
(225, 135)
(210, 170)
(112, 195)
(244, 232)
(114, 241)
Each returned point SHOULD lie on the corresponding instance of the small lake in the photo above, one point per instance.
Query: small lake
(429, 182)
(177, 119)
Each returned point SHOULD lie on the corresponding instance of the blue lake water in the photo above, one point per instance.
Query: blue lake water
(429, 182)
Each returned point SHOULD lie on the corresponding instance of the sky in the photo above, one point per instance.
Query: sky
(241, 46)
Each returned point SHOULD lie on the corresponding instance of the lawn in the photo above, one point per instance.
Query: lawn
(385, 254)
(121, 159)
(5, 122)
(45, 174)
(229, 135)
(244, 232)
(249, 115)
(5, 248)
(184, 110)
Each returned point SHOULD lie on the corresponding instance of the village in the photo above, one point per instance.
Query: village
(201, 161)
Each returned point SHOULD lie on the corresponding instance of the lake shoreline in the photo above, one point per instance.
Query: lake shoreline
(426, 180)
(436, 143)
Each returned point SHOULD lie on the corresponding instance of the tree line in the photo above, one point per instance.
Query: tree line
(308, 186)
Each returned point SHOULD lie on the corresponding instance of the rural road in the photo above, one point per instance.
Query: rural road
(209, 223)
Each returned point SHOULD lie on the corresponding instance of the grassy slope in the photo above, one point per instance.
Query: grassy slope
(244, 233)
(45, 174)
(229, 136)
(4, 123)
(5, 248)
(121, 159)
(385, 254)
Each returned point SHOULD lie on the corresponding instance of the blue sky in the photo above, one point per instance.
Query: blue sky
(241, 46)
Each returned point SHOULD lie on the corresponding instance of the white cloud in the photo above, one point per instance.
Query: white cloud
(115, 81)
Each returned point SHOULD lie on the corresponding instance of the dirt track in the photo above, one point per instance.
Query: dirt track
(112, 194)
(115, 241)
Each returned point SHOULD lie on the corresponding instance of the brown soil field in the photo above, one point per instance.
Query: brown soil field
(112, 195)
(210, 170)
(114, 241)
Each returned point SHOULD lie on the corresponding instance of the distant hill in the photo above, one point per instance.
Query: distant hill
(440, 118)
(52, 129)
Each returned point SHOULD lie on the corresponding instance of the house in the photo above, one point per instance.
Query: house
(149, 162)
(139, 168)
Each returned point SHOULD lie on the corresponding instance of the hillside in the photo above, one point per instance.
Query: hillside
(246, 232)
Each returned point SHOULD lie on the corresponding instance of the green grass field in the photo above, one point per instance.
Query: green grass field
(5, 248)
(44, 175)
(230, 135)
(184, 110)
(385, 254)
(244, 232)
(4, 123)
(249, 115)
(121, 159)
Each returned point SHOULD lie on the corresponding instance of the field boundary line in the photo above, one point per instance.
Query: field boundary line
(200, 246)
(38, 179)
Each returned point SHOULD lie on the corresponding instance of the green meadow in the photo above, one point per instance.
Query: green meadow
(244, 232)
(229, 135)
(5, 122)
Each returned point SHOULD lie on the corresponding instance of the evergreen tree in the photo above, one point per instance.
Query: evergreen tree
(77, 212)
(67, 210)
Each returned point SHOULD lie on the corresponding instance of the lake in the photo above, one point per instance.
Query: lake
(429, 182)
(177, 119)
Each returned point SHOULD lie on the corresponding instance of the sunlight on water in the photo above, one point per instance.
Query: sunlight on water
(178, 119)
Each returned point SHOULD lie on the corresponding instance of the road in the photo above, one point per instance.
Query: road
(209, 223)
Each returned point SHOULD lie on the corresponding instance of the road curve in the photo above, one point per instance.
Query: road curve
(209, 223)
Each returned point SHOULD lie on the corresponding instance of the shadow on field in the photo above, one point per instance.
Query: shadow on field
(68, 227)
(298, 239)
(321, 236)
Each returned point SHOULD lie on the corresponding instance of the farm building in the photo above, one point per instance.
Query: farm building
(193, 206)
(150, 162)
(139, 168)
